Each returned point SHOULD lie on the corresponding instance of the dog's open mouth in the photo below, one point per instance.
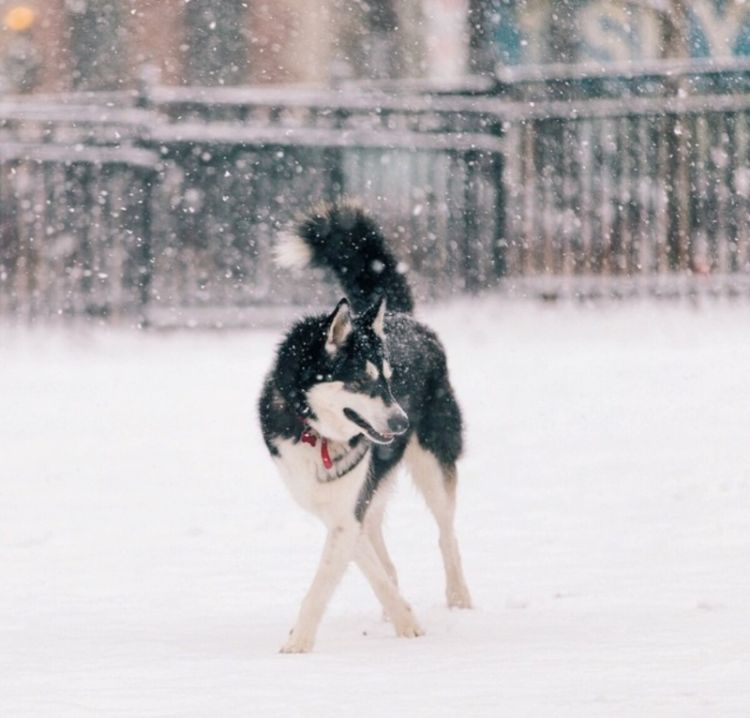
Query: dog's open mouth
(376, 436)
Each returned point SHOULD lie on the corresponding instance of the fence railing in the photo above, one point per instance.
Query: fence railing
(648, 78)
(644, 190)
(232, 188)
(213, 195)
(74, 230)
(173, 204)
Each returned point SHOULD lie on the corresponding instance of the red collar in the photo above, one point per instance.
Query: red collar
(310, 436)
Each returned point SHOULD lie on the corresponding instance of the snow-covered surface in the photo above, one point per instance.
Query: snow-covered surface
(151, 562)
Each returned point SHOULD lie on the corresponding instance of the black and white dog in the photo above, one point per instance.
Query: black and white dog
(351, 397)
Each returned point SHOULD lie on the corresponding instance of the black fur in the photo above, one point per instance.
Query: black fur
(420, 376)
(348, 242)
(420, 385)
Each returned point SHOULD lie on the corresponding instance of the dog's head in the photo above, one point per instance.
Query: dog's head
(353, 394)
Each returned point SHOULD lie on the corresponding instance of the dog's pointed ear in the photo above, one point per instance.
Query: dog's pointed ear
(375, 317)
(339, 326)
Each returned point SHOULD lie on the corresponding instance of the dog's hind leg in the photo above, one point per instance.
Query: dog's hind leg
(397, 609)
(338, 551)
(437, 484)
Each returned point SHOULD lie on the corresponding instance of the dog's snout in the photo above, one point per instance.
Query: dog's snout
(398, 423)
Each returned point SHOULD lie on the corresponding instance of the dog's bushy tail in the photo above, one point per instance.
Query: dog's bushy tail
(342, 237)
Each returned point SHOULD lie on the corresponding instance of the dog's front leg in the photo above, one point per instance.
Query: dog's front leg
(395, 607)
(337, 553)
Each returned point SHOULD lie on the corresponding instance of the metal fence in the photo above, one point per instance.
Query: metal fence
(169, 204)
(74, 230)
(214, 179)
(647, 191)
(634, 182)
(231, 188)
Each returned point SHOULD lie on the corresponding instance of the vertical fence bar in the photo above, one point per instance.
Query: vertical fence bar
(663, 197)
(742, 190)
(529, 179)
(499, 202)
(586, 177)
(722, 189)
(512, 183)
(603, 262)
(646, 188)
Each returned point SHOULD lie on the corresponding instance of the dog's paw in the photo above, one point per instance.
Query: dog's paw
(298, 643)
(458, 597)
(406, 625)
(409, 630)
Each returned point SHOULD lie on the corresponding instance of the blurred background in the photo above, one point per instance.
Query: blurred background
(150, 151)
(568, 182)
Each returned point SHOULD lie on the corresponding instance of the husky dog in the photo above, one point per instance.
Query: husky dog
(352, 396)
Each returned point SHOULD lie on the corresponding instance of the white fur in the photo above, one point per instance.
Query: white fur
(347, 540)
(339, 329)
(299, 465)
(338, 551)
(292, 252)
(372, 370)
(387, 371)
(394, 606)
(378, 325)
(329, 399)
(430, 479)
(373, 523)
(334, 504)
(343, 543)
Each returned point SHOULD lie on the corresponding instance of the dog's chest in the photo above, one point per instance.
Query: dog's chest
(324, 491)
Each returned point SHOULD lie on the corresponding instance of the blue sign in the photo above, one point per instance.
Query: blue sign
(614, 30)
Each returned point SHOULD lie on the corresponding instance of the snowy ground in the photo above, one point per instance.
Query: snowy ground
(151, 563)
